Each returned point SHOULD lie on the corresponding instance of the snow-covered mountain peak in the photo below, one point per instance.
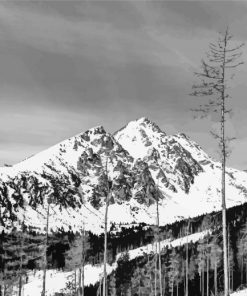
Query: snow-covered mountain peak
(138, 136)
(139, 152)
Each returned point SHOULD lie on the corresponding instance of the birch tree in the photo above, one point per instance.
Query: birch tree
(223, 56)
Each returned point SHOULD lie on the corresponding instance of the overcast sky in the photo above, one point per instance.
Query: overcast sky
(68, 66)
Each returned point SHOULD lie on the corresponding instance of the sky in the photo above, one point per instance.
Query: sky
(67, 66)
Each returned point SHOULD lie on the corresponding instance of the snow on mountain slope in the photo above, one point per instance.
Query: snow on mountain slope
(195, 179)
(138, 158)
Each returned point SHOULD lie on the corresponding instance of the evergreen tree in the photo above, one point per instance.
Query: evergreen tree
(112, 289)
(123, 274)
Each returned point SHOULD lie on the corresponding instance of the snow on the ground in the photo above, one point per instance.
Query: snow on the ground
(240, 293)
(172, 244)
(56, 279)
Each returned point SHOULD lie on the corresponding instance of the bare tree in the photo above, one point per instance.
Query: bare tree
(45, 248)
(222, 57)
(108, 197)
(82, 268)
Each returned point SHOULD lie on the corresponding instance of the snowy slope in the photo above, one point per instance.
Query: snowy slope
(195, 176)
(240, 293)
(56, 280)
(72, 174)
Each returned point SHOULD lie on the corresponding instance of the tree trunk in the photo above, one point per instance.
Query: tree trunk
(158, 233)
(229, 263)
(75, 282)
(20, 285)
(82, 263)
(79, 283)
(223, 151)
(21, 259)
(203, 281)
(242, 269)
(232, 280)
(155, 271)
(45, 251)
(100, 287)
(215, 278)
(105, 246)
(200, 274)
(187, 264)
(164, 284)
(207, 274)
(150, 278)
(246, 271)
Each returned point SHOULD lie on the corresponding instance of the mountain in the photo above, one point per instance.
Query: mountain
(137, 158)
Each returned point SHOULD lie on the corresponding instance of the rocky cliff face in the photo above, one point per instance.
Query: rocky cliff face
(135, 163)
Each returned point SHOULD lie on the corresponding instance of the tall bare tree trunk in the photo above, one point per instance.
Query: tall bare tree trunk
(203, 281)
(207, 274)
(232, 279)
(200, 274)
(45, 251)
(213, 83)
(20, 285)
(229, 263)
(155, 271)
(159, 254)
(105, 246)
(223, 151)
(246, 271)
(187, 263)
(242, 269)
(21, 258)
(100, 284)
(164, 284)
(215, 279)
(81, 284)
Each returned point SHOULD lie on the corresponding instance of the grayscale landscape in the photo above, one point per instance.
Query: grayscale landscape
(123, 168)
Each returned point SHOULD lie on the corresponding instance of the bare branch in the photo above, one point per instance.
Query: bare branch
(216, 136)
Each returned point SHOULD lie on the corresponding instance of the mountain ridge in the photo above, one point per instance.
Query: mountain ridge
(142, 157)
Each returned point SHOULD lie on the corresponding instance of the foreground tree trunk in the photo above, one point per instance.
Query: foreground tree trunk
(159, 254)
(213, 84)
(105, 247)
(215, 279)
(45, 250)
(187, 262)
(81, 280)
